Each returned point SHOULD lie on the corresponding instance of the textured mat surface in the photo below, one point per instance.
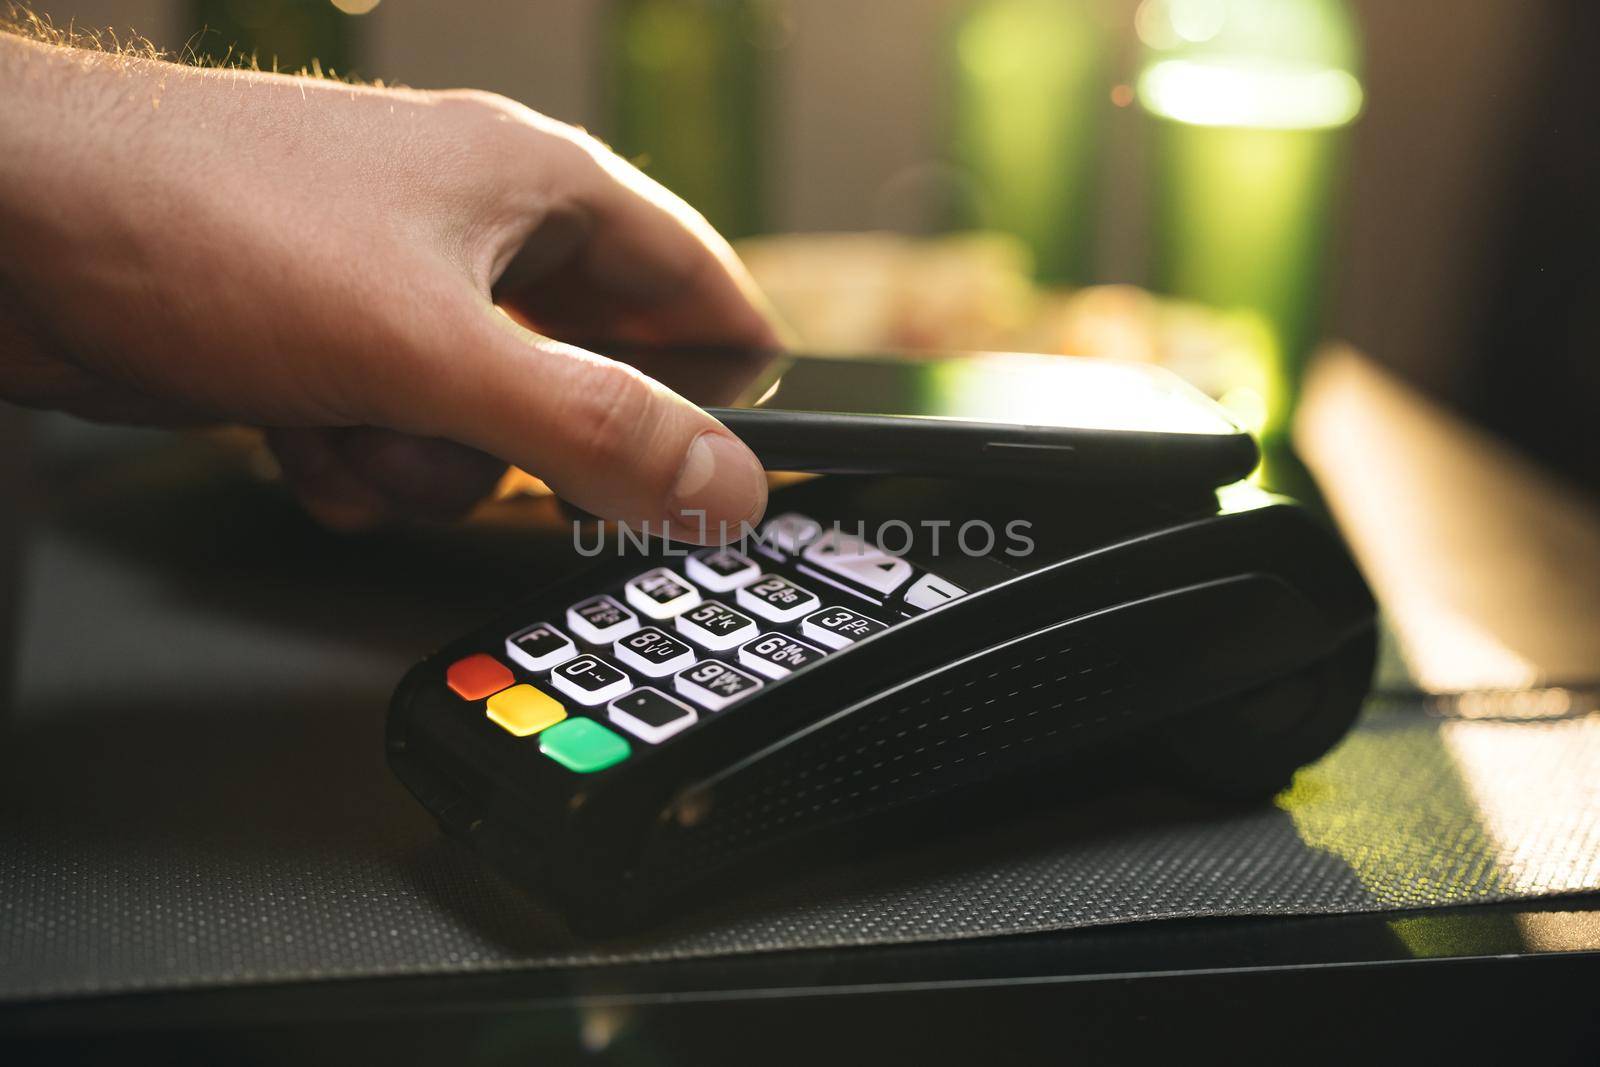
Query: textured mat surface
(221, 822)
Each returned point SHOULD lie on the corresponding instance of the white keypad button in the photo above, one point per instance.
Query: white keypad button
(722, 570)
(777, 655)
(930, 591)
(859, 561)
(716, 626)
(601, 620)
(661, 594)
(838, 627)
(775, 597)
(715, 685)
(651, 715)
(539, 647)
(653, 652)
(590, 680)
(790, 532)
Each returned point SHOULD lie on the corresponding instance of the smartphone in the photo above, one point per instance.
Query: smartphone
(992, 415)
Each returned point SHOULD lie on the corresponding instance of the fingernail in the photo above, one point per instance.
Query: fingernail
(720, 486)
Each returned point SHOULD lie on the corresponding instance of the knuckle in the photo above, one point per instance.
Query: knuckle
(479, 103)
(501, 120)
(615, 409)
(484, 127)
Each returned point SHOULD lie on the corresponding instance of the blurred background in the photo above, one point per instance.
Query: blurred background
(1412, 178)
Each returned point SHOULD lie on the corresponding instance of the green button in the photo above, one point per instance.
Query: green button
(583, 745)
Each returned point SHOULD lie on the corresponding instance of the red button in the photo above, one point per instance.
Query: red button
(478, 676)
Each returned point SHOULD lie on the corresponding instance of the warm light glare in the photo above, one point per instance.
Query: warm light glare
(1245, 496)
(1247, 406)
(355, 7)
(1424, 500)
(1153, 26)
(1093, 394)
(1258, 95)
(1534, 785)
(1197, 21)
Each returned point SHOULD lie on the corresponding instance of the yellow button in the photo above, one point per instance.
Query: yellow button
(524, 710)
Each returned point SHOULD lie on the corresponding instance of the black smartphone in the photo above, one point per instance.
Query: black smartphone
(994, 415)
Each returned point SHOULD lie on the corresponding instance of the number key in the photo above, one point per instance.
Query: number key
(722, 570)
(716, 626)
(601, 620)
(776, 655)
(776, 598)
(715, 685)
(653, 652)
(838, 627)
(661, 594)
(590, 680)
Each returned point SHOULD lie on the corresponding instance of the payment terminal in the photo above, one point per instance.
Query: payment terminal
(882, 651)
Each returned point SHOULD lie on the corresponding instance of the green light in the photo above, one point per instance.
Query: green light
(1251, 99)
(1026, 108)
(1258, 96)
(1244, 496)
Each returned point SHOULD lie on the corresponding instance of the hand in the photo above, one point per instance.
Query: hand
(374, 275)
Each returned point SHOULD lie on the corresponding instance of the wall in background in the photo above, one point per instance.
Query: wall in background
(159, 20)
(1448, 88)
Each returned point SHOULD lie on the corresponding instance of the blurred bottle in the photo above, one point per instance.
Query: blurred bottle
(688, 89)
(288, 35)
(1030, 93)
(1249, 99)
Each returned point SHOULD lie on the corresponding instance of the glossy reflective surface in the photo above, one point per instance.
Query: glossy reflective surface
(997, 387)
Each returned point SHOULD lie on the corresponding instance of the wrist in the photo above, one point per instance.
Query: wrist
(65, 138)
